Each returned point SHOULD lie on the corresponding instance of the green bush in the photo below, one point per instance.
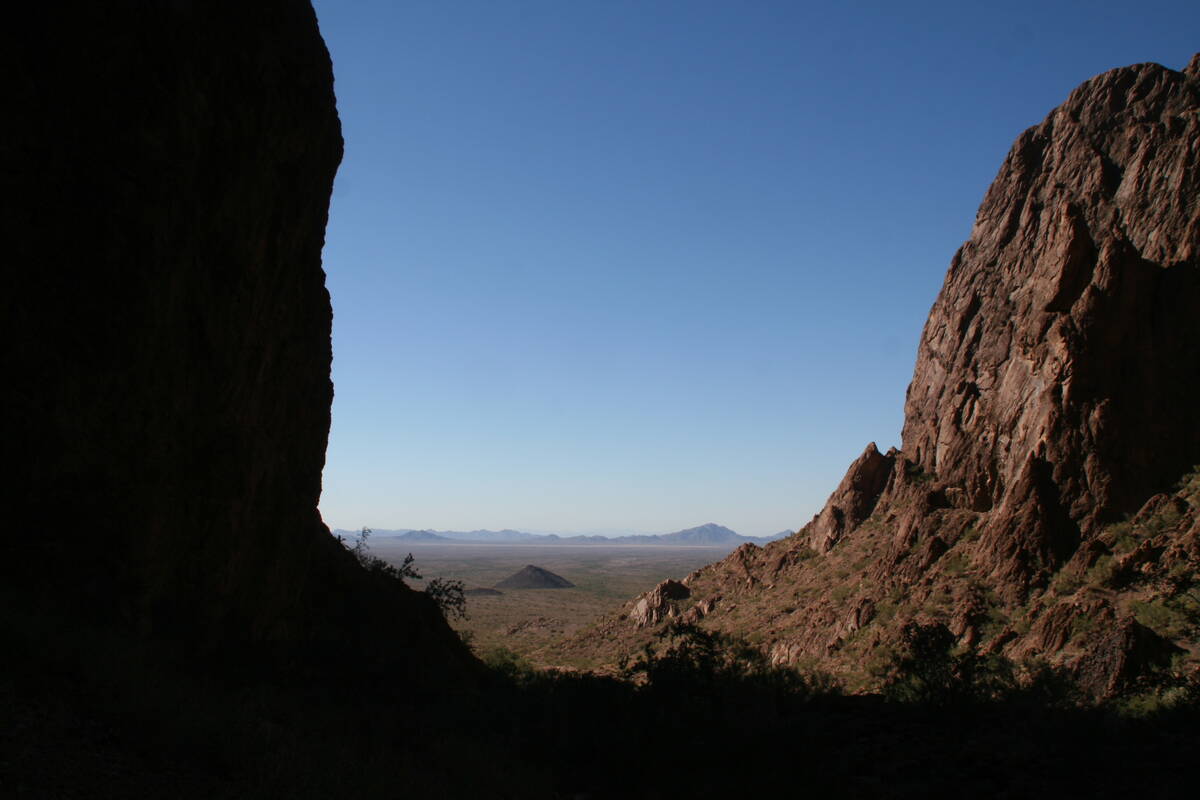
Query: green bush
(1173, 617)
(686, 658)
(1067, 583)
(1103, 572)
(955, 563)
(508, 663)
(929, 672)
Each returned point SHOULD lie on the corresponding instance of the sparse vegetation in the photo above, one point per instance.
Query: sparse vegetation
(687, 659)
(955, 562)
(1124, 540)
(1082, 625)
(1173, 617)
(917, 475)
(528, 620)
(1066, 583)
(995, 621)
(806, 553)
(929, 671)
(447, 594)
(1103, 572)
(841, 593)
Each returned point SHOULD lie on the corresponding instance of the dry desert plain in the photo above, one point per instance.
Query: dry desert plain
(525, 620)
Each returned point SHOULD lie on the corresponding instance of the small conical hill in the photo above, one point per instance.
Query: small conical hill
(531, 577)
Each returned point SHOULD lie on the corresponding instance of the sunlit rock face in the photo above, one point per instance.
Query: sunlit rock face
(166, 346)
(1060, 365)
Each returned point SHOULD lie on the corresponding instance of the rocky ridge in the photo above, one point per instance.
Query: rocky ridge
(1045, 503)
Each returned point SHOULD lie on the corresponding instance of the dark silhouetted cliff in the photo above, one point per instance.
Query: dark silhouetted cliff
(166, 340)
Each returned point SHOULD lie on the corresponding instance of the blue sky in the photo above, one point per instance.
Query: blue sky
(644, 265)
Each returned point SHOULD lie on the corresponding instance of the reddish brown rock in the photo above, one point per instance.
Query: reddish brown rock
(660, 603)
(853, 500)
(1057, 374)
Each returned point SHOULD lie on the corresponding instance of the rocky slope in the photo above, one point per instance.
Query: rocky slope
(166, 338)
(1044, 504)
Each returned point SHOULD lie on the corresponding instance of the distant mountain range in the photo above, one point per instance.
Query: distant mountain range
(709, 535)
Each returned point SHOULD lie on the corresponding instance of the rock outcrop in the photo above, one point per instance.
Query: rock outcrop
(658, 604)
(166, 340)
(853, 500)
(1054, 396)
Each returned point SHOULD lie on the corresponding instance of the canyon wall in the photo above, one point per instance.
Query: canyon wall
(166, 333)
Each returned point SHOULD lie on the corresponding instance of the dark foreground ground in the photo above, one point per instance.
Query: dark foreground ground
(91, 714)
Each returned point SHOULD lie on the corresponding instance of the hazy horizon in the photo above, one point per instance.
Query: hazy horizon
(632, 265)
(606, 532)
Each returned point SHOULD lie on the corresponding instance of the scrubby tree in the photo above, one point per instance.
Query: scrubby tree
(447, 594)
(928, 670)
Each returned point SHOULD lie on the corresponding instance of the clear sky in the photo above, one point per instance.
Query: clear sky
(645, 265)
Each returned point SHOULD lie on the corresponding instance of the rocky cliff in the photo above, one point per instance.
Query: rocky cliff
(166, 339)
(1042, 503)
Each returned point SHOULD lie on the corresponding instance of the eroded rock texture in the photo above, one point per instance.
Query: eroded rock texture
(1054, 395)
(1060, 367)
(166, 338)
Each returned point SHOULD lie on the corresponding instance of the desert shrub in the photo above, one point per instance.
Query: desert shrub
(1067, 583)
(955, 563)
(928, 671)
(1173, 617)
(995, 621)
(1082, 625)
(1182, 578)
(1159, 692)
(805, 553)
(918, 475)
(507, 663)
(1103, 572)
(1123, 537)
(880, 661)
(447, 594)
(1189, 484)
(686, 659)
(374, 564)
(1163, 520)
(1048, 686)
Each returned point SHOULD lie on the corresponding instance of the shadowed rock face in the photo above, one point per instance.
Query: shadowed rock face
(1054, 393)
(166, 324)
